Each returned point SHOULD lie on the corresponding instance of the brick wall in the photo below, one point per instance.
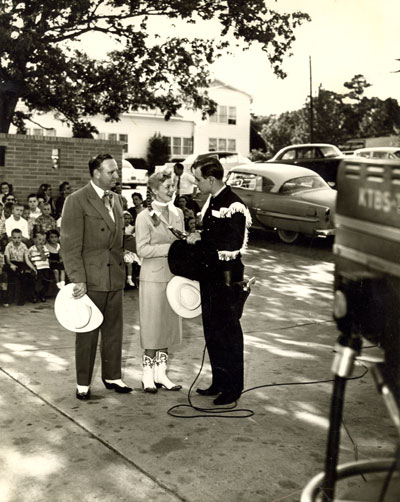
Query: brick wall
(28, 161)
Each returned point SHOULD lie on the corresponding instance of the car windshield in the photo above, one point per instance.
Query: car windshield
(301, 184)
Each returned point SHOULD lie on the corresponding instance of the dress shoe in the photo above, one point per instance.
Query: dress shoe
(226, 398)
(211, 391)
(118, 388)
(83, 396)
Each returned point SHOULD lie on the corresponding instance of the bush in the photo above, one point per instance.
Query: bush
(157, 151)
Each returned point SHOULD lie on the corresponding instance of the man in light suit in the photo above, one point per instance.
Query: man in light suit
(92, 251)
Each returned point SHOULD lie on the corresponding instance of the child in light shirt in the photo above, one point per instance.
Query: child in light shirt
(39, 256)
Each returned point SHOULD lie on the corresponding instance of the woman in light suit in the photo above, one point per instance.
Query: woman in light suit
(160, 326)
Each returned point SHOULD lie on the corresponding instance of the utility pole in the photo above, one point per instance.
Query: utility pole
(311, 107)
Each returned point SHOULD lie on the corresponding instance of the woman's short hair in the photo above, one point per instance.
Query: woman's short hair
(157, 179)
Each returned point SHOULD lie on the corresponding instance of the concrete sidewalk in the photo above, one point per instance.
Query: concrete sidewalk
(127, 448)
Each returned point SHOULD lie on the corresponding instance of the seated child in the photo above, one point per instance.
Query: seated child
(45, 221)
(39, 256)
(17, 263)
(56, 264)
(131, 259)
(31, 221)
(3, 273)
(17, 221)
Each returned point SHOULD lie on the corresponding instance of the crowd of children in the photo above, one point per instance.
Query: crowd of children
(30, 257)
(30, 254)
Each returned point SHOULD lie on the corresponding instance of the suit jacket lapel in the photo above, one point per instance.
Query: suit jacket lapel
(118, 212)
(98, 204)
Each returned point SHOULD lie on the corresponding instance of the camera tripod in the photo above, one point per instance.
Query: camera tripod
(322, 486)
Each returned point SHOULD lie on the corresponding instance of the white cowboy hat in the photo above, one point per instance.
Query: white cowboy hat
(184, 296)
(80, 315)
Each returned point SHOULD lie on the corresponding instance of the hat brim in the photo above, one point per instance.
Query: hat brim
(64, 307)
(174, 288)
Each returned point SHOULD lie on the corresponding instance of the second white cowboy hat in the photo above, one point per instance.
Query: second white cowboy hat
(80, 315)
(184, 296)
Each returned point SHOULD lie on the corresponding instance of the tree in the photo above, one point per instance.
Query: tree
(329, 117)
(285, 129)
(42, 65)
(157, 151)
(356, 86)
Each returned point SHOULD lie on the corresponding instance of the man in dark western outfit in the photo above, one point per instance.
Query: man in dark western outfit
(92, 251)
(225, 221)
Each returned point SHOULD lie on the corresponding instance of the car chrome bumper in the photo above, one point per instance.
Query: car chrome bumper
(326, 232)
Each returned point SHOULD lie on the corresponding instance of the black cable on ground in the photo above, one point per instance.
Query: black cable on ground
(233, 412)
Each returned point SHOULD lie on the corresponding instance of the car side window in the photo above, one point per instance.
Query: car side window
(380, 155)
(289, 155)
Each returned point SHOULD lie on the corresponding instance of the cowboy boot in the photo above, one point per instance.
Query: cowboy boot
(160, 374)
(148, 374)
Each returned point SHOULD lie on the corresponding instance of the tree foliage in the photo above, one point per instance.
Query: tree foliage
(157, 151)
(336, 118)
(42, 65)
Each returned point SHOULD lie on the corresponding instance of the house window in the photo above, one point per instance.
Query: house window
(179, 146)
(224, 115)
(231, 145)
(232, 115)
(215, 144)
(112, 137)
(176, 146)
(38, 132)
(212, 144)
(101, 135)
(221, 144)
(187, 146)
(124, 138)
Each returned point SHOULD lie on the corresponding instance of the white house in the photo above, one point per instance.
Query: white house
(228, 129)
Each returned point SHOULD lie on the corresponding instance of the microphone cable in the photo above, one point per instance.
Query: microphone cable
(232, 411)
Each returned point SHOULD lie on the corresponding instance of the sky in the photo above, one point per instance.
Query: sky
(343, 39)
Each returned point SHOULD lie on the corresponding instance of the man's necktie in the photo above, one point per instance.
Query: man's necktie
(108, 199)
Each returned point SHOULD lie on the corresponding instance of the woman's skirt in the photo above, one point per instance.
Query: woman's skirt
(160, 327)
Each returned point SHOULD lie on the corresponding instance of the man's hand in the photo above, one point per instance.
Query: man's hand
(193, 238)
(79, 290)
(13, 267)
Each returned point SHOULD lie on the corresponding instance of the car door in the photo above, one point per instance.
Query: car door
(285, 211)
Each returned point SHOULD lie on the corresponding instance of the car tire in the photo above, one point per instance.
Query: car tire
(288, 236)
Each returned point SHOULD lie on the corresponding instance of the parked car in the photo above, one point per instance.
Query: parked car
(133, 176)
(379, 152)
(227, 159)
(293, 200)
(322, 158)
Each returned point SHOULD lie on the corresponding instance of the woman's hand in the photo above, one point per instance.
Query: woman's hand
(193, 238)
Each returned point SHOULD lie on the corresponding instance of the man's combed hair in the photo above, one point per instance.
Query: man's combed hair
(210, 166)
(95, 162)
